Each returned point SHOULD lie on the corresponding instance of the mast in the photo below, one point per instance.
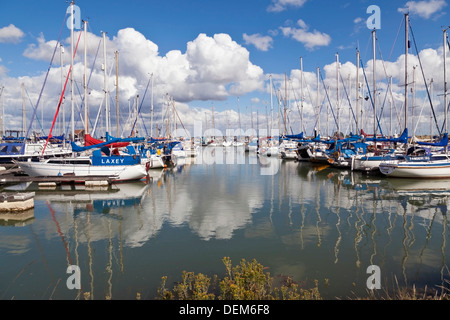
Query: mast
(24, 115)
(271, 107)
(62, 130)
(357, 91)
(413, 102)
(406, 68)
(136, 112)
(285, 104)
(151, 110)
(117, 93)
(106, 83)
(71, 73)
(431, 115)
(337, 97)
(301, 93)
(445, 77)
(374, 87)
(86, 111)
(390, 103)
(2, 131)
(317, 102)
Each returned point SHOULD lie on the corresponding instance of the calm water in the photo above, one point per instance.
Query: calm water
(299, 220)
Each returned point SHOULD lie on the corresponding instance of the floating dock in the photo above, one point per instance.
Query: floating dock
(16, 202)
(68, 179)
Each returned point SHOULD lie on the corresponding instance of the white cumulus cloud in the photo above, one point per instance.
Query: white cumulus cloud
(263, 43)
(281, 5)
(11, 34)
(424, 9)
(311, 39)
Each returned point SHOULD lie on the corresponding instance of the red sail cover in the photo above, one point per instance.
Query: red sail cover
(90, 141)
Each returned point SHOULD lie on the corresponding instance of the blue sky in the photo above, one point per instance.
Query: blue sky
(269, 36)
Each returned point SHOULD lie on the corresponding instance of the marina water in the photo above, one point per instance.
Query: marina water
(305, 221)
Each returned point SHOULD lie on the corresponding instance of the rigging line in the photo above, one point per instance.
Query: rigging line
(348, 98)
(89, 79)
(317, 113)
(420, 115)
(384, 103)
(398, 32)
(60, 100)
(143, 123)
(385, 73)
(142, 102)
(176, 112)
(425, 82)
(31, 103)
(448, 105)
(43, 85)
(299, 113)
(328, 98)
(371, 100)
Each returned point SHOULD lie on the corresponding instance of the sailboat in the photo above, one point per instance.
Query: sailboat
(422, 162)
(101, 162)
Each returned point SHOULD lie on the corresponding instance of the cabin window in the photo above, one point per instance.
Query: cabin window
(14, 149)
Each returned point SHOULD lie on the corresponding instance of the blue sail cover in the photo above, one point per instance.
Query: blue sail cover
(61, 137)
(402, 139)
(442, 143)
(110, 138)
(295, 136)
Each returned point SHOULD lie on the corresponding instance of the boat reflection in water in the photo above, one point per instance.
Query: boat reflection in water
(297, 219)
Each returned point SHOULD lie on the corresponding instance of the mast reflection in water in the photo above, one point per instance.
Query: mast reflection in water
(304, 221)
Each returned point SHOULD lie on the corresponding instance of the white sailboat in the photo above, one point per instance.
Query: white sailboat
(102, 162)
(422, 162)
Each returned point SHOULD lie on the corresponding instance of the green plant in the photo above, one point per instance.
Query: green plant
(246, 281)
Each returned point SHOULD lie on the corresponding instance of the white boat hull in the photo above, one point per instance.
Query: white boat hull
(366, 163)
(154, 162)
(429, 169)
(115, 172)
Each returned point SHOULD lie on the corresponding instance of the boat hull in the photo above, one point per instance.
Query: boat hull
(113, 172)
(429, 169)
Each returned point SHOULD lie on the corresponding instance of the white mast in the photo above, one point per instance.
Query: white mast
(271, 108)
(357, 91)
(413, 102)
(317, 102)
(406, 69)
(445, 78)
(62, 130)
(337, 97)
(374, 86)
(151, 110)
(117, 93)
(71, 72)
(86, 111)
(301, 92)
(24, 115)
(2, 129)
(106, 84)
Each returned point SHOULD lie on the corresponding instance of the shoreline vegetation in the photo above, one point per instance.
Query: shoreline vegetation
(250, 281)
